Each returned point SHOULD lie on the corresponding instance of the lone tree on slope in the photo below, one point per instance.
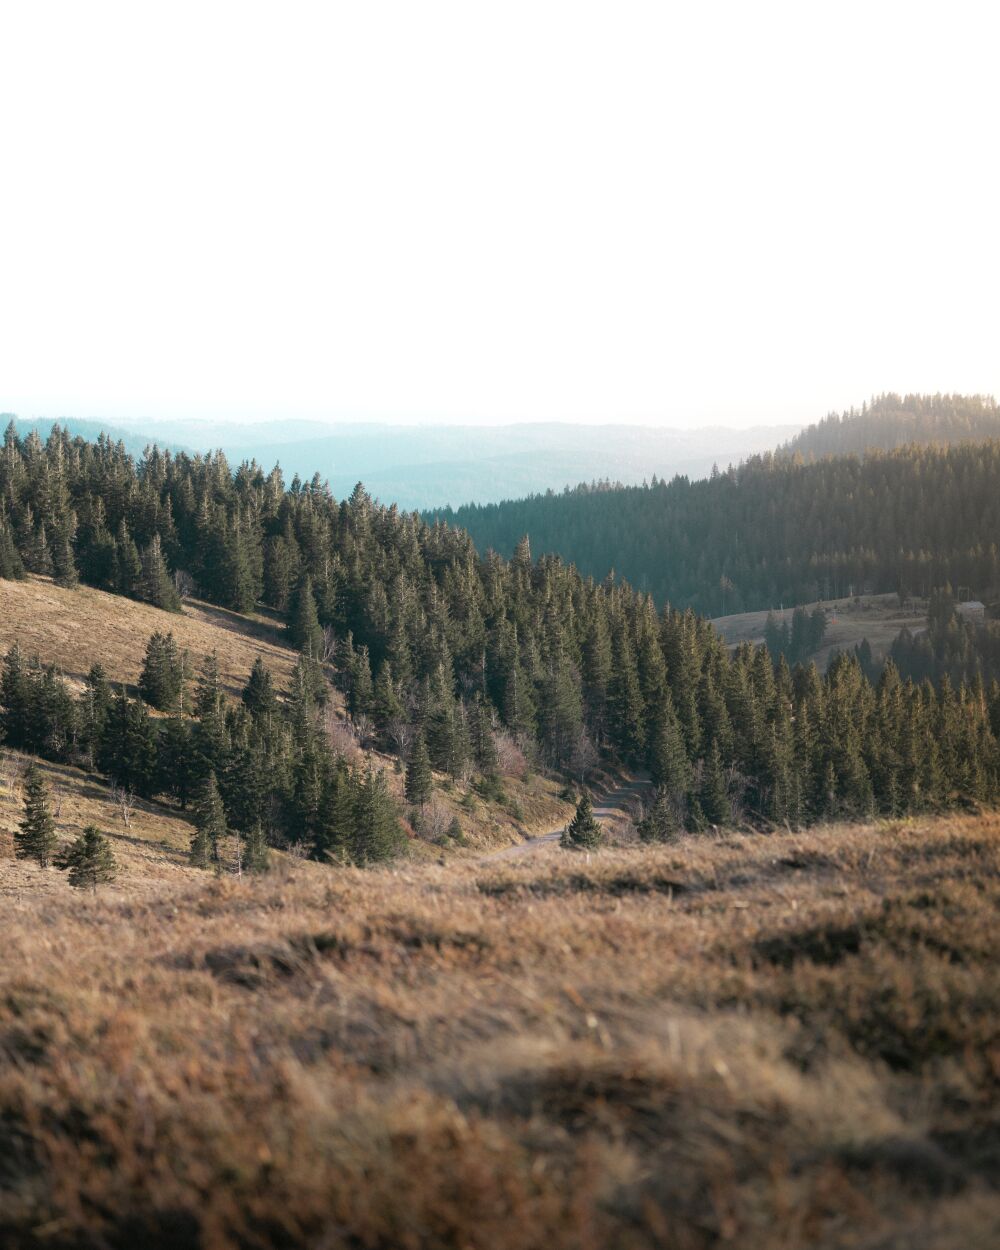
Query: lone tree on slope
(89, 860)
(35, 837)
(583, 833)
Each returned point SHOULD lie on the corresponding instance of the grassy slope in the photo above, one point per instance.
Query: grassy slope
(878, 618)
(73, 628)
(762, 1041)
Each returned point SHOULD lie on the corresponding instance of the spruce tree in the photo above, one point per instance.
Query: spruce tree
(256, 856)
(155, 585)
(210, 825)
(669, 764)
(162, 673)
(583, 833)
(713, 794)
(35, 836)
(419, 780)
(376, 836)
(659, 822)
(89, 860)
(258, 694)
(304, 630)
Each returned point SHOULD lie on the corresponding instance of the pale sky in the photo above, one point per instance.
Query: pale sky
(679, 214)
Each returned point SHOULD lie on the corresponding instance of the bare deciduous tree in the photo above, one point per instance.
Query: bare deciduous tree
(329, 648)
(401, 733)
(510, 758)
(124, 799)
(340, 734)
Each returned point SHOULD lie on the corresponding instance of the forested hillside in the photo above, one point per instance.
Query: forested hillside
(891, 421)
(451, 661)
(774, 530)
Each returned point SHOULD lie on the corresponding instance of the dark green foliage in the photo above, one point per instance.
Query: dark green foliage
(210, 825)
(11, 564)
(127, 752)
(419, 780)
(155, 585)
(304, 631)
(35, 836)
(480, 655)
(669, 762)
(258, 694)
(801, 641)
(376, 836)
(907, 519)
(163, 672)
(713, 795)
(660, 822)
(583, 833)
(256, 857)
(89, 860)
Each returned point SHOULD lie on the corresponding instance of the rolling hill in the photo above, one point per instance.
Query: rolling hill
(891, 421)
(775, 530)
(429, 466)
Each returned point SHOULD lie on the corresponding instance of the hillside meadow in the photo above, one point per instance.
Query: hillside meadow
(780, 1040)
(72, 629)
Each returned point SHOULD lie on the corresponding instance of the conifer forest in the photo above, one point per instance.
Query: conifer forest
(437, 650)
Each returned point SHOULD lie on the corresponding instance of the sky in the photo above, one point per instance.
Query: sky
(664, 213)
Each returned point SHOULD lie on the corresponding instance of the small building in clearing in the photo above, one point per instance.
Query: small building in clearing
(971, 610)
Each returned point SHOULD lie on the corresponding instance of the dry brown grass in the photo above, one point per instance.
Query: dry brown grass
(151, 850)
(879, 618)
(758, 1041)
(74, 628)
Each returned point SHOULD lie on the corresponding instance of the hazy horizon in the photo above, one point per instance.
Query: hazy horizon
(677, 217)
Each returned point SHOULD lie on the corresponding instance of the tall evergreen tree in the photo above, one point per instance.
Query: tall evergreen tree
(35, 836)
(210, 826)
(419, 779)
(713, 794)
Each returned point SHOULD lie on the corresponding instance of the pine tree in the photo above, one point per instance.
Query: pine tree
(89, 860)
(11, 564)
(669, 764)
(63, 562)
(162, 675)
(256, 856)
(35, 837)
(713, 795)
(258, 694)
(210, 825)
(583, 833)
(419, 779)
(155, 585)
(376, 835)
(128, 566)
(659, 823)
(304, 630)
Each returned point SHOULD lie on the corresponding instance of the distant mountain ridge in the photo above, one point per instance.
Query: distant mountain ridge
(889, 421)
(134, 441)
(433, 466)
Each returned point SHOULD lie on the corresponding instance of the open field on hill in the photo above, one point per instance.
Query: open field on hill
(759, 1041)
(73, 628)
(151, 849)
(879, 618)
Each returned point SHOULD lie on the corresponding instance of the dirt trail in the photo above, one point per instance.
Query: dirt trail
(609, 807)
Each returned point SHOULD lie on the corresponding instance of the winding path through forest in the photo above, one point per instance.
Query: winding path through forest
(609, 807)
